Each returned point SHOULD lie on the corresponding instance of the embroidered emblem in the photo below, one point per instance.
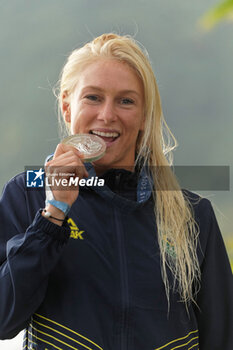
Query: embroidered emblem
(75, 232)
(170, 249)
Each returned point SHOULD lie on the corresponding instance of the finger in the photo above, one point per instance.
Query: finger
(72, 166)
(80, 170)
(65, 158)
(62, 148)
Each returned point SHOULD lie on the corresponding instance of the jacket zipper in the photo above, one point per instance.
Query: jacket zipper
(124, 282)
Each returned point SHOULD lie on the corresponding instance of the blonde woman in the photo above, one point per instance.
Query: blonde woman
(134, 264)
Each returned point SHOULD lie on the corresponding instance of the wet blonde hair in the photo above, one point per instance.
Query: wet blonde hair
(176, 227)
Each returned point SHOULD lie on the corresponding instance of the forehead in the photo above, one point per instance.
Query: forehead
(109, 74)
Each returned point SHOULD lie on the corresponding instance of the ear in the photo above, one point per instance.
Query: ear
(66, 107)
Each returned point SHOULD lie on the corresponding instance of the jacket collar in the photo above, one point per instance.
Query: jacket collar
(144, 183)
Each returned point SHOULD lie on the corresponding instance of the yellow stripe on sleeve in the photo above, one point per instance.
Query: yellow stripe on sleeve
(175, 340)
(193, 346)
(64, 335)
(45, 341)
(179, 346)
(58, 340)
(68, 329)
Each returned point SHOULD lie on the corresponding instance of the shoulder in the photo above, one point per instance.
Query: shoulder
(15, 184)
(18, 180)
(202, 210)
(200, 205)
(209, 233)
(16, 191)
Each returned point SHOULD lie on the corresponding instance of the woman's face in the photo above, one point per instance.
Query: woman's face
(108, 102)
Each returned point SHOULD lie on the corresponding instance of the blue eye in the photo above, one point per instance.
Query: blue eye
(92, 98)
(126, 101)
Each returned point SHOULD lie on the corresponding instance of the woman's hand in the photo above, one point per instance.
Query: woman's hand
(66, 163)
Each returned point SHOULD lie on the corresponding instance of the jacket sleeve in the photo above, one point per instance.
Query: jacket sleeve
(26, 259)
(215, 298)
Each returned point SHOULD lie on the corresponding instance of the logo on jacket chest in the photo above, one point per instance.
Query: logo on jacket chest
(76, 233)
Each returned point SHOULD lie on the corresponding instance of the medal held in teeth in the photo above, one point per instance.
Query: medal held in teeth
(90, 146)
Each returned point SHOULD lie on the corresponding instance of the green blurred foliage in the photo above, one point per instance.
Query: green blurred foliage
(229, 246)
(222, 11)
(211, 18)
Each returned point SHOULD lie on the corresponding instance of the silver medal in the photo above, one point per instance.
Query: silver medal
(90, 146)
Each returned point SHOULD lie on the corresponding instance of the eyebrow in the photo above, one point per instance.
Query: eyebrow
(97, 88)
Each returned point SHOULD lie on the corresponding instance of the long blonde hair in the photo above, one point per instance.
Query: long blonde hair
(176, 227)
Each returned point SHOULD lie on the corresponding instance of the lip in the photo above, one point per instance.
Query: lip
(105, 130)
(108, 143)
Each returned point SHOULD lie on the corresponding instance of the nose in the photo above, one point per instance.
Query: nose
(107, 112)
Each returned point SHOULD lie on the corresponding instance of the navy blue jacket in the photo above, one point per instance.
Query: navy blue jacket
(95, 283)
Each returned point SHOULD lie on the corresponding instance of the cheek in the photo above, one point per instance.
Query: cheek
(134, 127)
(75, 125)
(77, 119)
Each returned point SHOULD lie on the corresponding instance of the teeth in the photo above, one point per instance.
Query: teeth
(105, 134)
